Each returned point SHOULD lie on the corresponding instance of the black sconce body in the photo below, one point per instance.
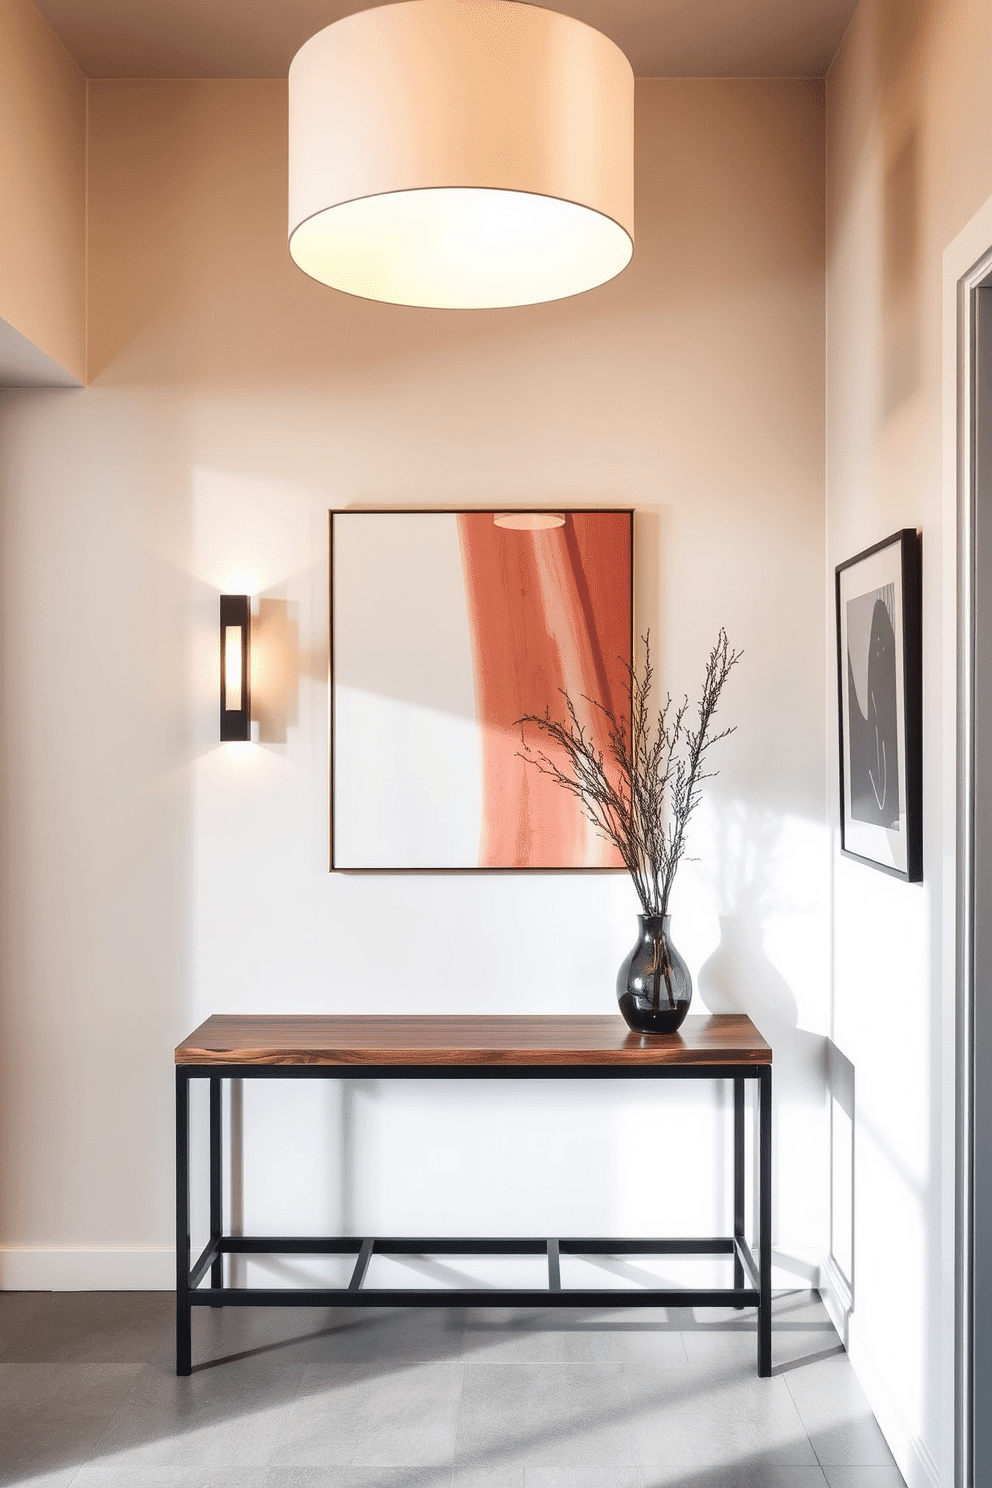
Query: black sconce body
(235, 666)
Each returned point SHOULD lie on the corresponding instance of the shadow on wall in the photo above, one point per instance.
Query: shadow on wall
(649, 537)
(901, 283)
(840, 1089)
(900, 33)
(739, 976)
(277, 665)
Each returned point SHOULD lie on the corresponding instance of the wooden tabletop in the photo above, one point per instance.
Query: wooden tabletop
(468, 1041)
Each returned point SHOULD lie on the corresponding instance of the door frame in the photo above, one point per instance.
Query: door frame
(966, 951)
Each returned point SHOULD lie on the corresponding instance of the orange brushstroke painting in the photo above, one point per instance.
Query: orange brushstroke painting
(549, 612)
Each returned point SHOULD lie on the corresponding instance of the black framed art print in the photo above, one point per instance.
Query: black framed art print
(880, 686)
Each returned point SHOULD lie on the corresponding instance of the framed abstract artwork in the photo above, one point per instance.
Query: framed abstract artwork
(880, 682)
(447, 627)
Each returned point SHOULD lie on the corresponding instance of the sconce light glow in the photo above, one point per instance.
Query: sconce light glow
(521, 521)
(461, 154)
(235, 667)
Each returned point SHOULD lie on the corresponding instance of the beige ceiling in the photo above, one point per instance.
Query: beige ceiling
(257, 38)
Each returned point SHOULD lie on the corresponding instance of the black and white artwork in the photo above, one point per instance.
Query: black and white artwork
(879, 678)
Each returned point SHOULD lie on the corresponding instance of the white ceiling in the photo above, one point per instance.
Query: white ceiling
(257, 38)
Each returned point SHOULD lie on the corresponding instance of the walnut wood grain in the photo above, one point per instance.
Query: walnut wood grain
(469, 1041)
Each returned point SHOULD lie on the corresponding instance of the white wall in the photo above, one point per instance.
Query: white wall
(151, 876)
(908, 165)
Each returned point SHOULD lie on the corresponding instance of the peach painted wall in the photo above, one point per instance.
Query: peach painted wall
(909, 118)
(151, 876)
(43, 188)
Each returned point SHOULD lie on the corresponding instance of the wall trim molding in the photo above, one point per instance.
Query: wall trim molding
(835, 1294)
(912, 1457)
(965, 265)
(114, 1269)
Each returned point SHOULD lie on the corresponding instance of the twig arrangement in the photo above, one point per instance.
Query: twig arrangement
(643, 799)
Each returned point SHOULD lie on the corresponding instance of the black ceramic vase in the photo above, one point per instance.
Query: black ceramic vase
(654, 987)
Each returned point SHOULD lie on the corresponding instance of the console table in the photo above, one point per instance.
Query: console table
(725, 1047)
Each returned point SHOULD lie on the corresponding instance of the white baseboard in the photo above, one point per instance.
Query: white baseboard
(912, 1458)
(835, 1294)
(138, 1270)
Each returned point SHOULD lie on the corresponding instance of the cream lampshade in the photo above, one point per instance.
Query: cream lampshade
(461, 154)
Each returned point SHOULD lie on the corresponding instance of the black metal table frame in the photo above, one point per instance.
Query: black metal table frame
(189, 1275)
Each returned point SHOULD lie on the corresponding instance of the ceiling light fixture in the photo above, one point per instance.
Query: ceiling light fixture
(461, 154)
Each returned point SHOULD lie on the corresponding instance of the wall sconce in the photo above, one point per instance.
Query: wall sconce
(235, 668)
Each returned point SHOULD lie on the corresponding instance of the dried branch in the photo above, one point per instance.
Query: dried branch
(642, 802)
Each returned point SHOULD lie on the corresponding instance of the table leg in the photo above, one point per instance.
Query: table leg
(738, 1180)
(183, 1309)
(765, 1223)
(216, 1177)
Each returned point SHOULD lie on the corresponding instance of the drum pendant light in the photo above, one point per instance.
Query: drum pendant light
(461, 154)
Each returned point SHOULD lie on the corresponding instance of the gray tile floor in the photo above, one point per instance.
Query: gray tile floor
(426, 1398)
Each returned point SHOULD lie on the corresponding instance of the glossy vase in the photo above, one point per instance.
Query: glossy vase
(654, 987)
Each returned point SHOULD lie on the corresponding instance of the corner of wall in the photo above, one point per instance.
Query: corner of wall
(43, 166)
